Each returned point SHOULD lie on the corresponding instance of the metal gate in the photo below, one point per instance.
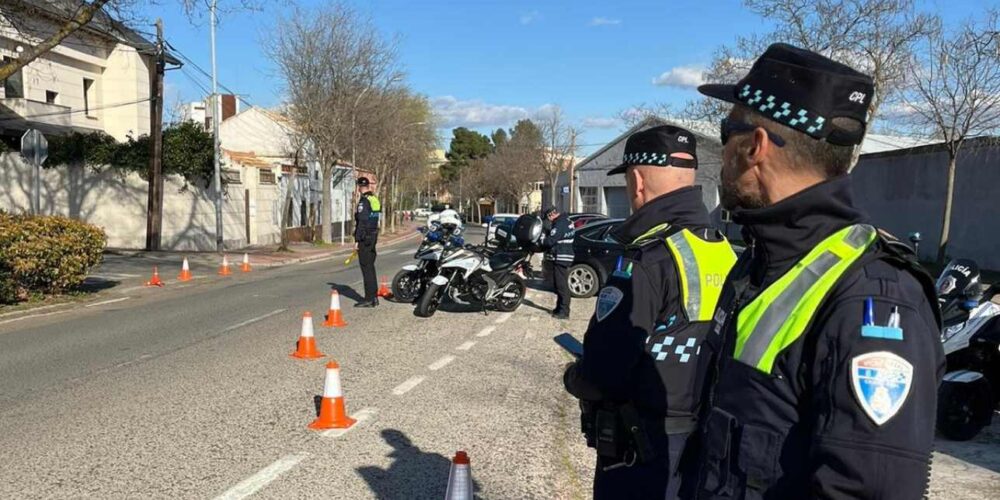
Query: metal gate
(617, 202)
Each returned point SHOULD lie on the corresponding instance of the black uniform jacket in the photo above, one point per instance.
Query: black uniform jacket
(615, 366)
(803, 431)
(558, 240)
(365, 221)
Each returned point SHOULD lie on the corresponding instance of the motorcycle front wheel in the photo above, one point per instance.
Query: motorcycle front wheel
(512, 295)
(429, 301)
(406, 286)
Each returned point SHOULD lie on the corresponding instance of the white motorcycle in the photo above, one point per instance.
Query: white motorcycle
(969, 393)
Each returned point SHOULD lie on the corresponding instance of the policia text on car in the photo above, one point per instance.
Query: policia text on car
(823, 360)
(637, 380)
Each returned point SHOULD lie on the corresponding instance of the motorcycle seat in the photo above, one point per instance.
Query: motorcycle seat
(501, 261)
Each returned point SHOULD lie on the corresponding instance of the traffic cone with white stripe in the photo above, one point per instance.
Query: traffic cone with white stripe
(383, 289)
(245, 267)
(185, 271)
(459, 478)
(155, 280)
(332, 413)
(334, 317)
(224, 269)
(306, 346)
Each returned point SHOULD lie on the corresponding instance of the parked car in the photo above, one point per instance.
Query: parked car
(497, 220)
(423, 213)
(583, 218)
(595, 254)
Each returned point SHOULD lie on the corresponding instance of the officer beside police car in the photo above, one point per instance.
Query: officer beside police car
(824, 356)
(637, 380)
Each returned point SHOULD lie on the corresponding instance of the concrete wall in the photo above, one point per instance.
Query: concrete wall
(117, 203)
(904, 193)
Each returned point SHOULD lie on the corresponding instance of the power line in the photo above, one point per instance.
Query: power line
(74, 111)
(205, 73)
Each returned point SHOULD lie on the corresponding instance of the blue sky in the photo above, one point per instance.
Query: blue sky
(486, 63)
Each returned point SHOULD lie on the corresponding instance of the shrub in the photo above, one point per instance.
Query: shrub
(45, 254)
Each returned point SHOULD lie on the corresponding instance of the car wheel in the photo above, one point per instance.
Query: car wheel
(583, 281)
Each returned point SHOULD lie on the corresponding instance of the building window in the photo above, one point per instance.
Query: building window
(266, 177)
(588, 199)
(14, 85)
(87, 85)
(50, 97)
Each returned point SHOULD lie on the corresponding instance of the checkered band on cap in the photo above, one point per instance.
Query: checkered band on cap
(646, 159)
(767, 104)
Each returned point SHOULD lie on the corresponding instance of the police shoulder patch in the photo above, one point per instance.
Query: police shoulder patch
(607, 301)
(881, 382)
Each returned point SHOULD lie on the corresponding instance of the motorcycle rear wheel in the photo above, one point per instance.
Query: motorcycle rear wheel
(509, 304)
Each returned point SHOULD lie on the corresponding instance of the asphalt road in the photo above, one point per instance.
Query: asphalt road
(188, 392)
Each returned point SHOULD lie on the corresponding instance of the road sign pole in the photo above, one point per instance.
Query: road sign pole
(34, 150)
(36, 187)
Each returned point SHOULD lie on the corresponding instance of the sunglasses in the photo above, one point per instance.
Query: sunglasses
(730, 127)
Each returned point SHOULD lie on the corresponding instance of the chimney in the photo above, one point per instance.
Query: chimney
(229, 106)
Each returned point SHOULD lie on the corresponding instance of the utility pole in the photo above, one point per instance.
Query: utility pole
(572, 174)
(154, 203)
(216, 117)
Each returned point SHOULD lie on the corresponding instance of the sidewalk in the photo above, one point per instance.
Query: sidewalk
(135, 266)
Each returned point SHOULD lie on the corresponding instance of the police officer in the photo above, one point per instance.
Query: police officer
(366, 220)
(826, 335)
(637, 379)
(558, 231)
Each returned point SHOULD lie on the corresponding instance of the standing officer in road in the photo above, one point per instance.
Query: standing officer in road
(637, 380)
(366, 220)
(826, 336)
(559, 239)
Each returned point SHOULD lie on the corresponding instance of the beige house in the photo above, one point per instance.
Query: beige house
(97, 79)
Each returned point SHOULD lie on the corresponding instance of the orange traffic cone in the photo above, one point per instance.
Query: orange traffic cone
(383, 289)
(334, 317)
(459, 478)
(155, 280)
(306, 346)
(245, 267)
(332, 414)
(224, 269)
(185, 271)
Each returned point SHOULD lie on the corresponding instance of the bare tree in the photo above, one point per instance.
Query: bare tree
(330, 58)
(45, 24)
(954, 93)
(873, 36)
(560, 146)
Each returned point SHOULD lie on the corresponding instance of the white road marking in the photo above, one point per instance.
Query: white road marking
(113, 276)
(387, 252)
(408, 385)
(40, 315)
(486, 331)
(252, 484)
(466, 346)
(140, 287)
(530, 335)
(504, 317)
(362, 416)
(533, 319)
(441, 363)
(254, 320)
(111, 301)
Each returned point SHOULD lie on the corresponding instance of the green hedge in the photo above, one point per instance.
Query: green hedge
(45, 254)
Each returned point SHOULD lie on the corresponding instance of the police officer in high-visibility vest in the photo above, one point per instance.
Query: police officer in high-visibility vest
(366, 220)
(637, 380)
(825, 343)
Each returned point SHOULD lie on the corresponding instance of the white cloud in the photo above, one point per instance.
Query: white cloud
(681, 76)
(453, 112)
(600, 122)
(530, 17)
(605, 21)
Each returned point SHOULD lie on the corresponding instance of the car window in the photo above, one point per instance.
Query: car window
(593, 233)
(608, 237)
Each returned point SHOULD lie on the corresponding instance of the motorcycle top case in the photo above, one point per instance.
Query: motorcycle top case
(528, 230)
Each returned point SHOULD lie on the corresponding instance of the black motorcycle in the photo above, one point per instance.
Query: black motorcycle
(970, 391)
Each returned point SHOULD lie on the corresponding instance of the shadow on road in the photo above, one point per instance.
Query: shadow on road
(346, 291)
(981, 451)
(529, 303)
(414, 473)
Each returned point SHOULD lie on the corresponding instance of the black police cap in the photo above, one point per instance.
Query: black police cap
(654, 146)
(803, 90)
(363, 182)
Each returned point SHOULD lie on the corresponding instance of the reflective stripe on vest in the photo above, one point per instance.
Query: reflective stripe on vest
(703, 266)
(780, 314)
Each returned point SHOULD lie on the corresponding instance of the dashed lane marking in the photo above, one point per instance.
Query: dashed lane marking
(504, 317)
(486, 331)
(40, 315)
(408, 385)
(529, 335)
(262, 478)
(105, 302)
(253, 320)
(441, 363)
(363, 415)
(533, 319)
(466, 346)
